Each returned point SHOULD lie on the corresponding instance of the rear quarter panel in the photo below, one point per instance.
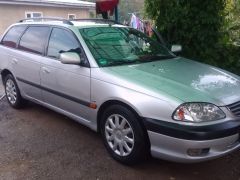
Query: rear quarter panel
(5, 56)
(5, 53)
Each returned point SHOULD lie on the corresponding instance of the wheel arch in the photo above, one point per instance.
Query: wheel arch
(109, 103)
(4, 73)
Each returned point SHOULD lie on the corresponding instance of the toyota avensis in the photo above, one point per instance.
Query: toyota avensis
(115, 80)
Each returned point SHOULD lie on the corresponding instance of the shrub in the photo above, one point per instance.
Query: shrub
(198, 27)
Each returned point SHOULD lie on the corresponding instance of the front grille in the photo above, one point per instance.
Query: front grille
(235, 108)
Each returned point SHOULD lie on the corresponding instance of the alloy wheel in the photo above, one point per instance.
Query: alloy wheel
(11, 91)
(119, 135)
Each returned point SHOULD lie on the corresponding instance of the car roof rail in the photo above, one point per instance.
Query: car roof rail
(96, 20)
(64, 21)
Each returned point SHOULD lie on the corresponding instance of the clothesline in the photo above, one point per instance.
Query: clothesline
(141, 25)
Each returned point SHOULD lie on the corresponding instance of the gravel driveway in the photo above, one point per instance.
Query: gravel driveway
(36, 143)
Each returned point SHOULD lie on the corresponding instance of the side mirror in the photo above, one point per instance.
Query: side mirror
(70, 58)
(176, 48)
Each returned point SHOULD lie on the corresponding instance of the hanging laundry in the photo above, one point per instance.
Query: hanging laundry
(148, 28)
(136, 23)
(133, 22)
(143, 26)
(105, 6)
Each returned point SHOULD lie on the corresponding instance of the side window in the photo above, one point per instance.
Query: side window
(62, 41)
(12, 36)
(33, 40)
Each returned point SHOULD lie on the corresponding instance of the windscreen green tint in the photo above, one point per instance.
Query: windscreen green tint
(113, 46)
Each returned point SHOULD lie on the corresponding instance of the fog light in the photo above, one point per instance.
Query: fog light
(198, 152)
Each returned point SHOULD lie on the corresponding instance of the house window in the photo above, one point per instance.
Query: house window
(33, 14)
(71, 16)
(92, 14)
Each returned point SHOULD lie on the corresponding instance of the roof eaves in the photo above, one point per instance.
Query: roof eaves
(50, 3)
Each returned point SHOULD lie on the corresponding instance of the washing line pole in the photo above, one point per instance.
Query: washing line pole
(116, 14)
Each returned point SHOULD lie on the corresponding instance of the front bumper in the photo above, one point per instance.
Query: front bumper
(188, 144)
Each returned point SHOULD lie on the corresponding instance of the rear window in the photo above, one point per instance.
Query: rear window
(12, 36)
(33, 40)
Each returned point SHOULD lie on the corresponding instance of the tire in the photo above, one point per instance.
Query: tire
(125, 139)
(13, 95)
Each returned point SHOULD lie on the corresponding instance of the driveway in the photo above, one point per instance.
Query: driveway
(36, 143)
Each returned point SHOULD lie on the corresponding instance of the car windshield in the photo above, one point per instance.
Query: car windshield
(112, 46)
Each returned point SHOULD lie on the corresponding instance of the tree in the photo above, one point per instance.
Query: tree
(232, 23)
(198, 26)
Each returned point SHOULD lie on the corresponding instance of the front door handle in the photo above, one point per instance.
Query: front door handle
(45, 70)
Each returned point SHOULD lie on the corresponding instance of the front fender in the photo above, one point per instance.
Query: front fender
(144, 105)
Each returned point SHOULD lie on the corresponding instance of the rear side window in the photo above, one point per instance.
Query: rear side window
(33, 40)
(12, 36)
(62, 41)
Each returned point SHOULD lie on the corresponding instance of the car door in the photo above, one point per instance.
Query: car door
(65, 87)
(27, 60)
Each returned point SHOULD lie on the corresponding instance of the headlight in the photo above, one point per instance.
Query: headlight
(198, 112)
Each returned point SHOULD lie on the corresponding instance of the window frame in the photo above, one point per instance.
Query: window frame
(75, 16)
(45, 43)
(44, 54)
(17, 42)
(87, 64)
(32, 12)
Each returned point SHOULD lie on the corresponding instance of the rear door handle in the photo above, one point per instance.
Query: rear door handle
(45, 70)
(14, 61)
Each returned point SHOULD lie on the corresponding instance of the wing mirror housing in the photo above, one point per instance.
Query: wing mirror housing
(70, 58)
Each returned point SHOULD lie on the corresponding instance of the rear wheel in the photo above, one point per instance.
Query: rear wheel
(123, 135)
(12, 92)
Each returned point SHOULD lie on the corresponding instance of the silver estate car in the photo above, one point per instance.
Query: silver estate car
(141, 97)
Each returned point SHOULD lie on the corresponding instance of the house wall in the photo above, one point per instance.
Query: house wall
(10, 14)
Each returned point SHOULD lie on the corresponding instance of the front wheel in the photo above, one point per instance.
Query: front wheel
(123, 135)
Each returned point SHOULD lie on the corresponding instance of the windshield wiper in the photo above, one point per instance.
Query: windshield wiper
(149, 58)
(120, 62)
(140, 60)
